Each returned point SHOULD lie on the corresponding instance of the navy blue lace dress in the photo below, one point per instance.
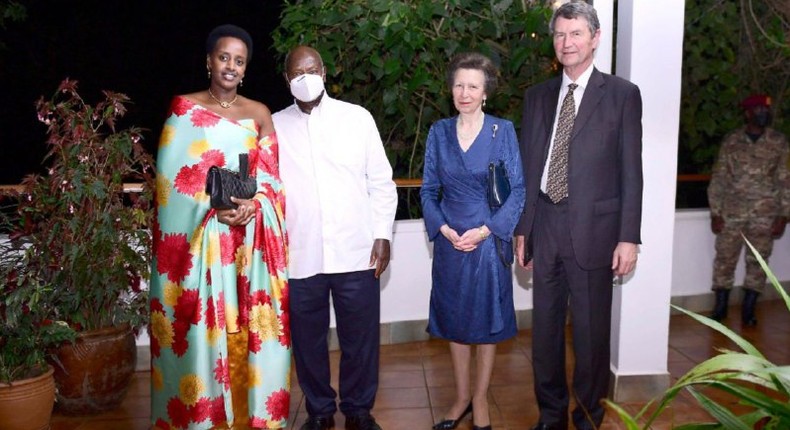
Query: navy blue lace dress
(472, 292)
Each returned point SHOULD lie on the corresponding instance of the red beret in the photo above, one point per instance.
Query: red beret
(756, 100)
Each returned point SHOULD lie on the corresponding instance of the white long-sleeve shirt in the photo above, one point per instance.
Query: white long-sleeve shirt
(339, 192)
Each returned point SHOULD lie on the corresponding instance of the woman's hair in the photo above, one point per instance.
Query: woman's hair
(474, 61)
(576, 9)
(228, 30)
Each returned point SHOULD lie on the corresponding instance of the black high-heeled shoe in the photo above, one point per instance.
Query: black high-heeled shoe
(451, 424)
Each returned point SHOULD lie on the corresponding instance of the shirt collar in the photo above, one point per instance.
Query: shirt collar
(582, 81)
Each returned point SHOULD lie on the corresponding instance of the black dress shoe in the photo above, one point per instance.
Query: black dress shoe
(362, 422)
(542, 426)
(451, 424)
(318, 423)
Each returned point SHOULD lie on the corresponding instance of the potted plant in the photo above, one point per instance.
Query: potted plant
(27, 335)
(88, 239)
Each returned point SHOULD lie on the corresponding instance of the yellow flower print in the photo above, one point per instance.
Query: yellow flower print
(214, 250)
(255, 375)
(190, 388)
(264, 322)
(172, 292)
(251, 142)
(212, 335)
(278, 285)
(198, 147)
(161, 329)
(243, 257)
(163, 189)
(168, 131)
(157, 381)
(231, 317)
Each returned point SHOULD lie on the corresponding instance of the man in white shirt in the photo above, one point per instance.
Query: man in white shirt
(340, 207)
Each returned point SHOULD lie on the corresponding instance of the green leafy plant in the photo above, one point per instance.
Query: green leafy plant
(760, 386)
(748, 54)
(391, 57)
(30, 328)
(84, 241)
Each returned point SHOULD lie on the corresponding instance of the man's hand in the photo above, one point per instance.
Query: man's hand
(520, 251)
(624, 258)
(380, 256)
(716, 224)
(242, 215)
(778, 227)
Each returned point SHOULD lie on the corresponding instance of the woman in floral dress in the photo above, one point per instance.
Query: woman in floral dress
(220, 344)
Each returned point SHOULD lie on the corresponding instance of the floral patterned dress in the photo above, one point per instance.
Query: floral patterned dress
(220, 341)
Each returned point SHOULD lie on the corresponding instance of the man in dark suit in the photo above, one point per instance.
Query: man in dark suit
(581, 142)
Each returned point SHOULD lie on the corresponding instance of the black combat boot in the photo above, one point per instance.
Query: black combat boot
(747, 312)
(722, 301)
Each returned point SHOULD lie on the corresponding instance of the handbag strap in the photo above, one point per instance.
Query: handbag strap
(244, 171)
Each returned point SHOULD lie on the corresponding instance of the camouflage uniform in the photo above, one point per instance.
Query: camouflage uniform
(748, 189)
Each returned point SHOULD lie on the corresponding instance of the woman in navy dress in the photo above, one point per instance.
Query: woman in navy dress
(472, 292)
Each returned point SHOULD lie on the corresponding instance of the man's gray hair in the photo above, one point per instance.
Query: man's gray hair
(577, 9)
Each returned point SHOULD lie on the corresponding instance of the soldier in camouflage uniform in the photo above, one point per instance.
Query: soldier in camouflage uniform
(748, 194)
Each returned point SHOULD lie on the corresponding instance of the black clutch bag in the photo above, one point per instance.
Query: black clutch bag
(498, 185)
(222, 184)
(498, 192)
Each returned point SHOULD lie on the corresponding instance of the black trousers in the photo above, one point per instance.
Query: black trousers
(560, 284)
(356, 299)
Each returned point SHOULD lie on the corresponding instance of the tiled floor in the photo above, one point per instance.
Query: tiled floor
(416, 383)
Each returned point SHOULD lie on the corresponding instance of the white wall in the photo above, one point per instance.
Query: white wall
(692, 266)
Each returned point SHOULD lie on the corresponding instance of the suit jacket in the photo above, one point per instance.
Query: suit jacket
(604, 164)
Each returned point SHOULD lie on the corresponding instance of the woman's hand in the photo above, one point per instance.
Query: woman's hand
(239, 216)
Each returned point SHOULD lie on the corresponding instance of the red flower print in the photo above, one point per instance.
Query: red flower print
(188, 307)
(261, 298)
(243, 298)
(254, 342)
(202, 410)
(204, 118)
(161, 425)
(278, 405)
(180, 106)
(191, 179)
(180, 343)
(221, 311)
(156, 305)
(208, 276)
(222, 372)
(227, 249)
(156, 350)
(258, 423)
(217, 413)
(156, 231)
(274, 252)
(212, 157)
(211, 314)
(178, 413)
(173, 257)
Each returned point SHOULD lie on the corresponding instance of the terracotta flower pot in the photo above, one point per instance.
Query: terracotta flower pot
(27, 404)
(97, 370)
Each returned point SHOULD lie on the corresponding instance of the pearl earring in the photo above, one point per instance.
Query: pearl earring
(209, 74)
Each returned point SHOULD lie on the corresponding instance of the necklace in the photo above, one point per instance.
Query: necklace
(223, 105)
(476, 127)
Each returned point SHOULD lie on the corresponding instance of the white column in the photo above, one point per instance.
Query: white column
(649, 54)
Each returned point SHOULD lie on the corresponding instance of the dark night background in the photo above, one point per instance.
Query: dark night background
(149, 50)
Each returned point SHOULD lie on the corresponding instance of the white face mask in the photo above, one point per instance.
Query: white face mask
(307, 87)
